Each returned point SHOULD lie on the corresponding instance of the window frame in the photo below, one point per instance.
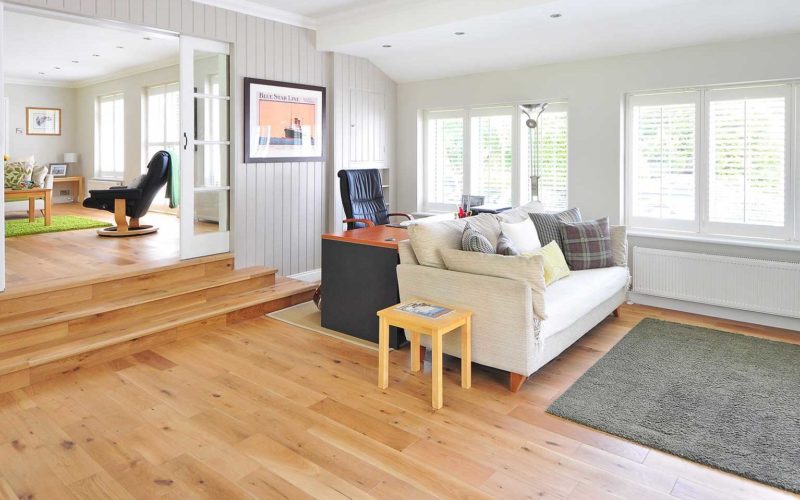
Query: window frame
(146, 142)
(99, 173)
(519, 174)
(702, 226)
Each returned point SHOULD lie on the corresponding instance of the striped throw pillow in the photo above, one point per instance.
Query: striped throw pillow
(473, 240)
(587, 245)
(547, 225)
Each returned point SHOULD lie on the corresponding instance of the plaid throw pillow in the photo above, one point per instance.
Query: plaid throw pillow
(587, 245)
(473, 240)
(547, 225)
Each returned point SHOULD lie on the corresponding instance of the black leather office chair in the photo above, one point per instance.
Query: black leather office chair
(362, 198)
(132, 200)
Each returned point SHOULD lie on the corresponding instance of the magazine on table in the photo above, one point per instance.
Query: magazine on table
(424, 309)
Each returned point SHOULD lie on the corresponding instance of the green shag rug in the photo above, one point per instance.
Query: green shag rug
(722, 399)
(21, 227)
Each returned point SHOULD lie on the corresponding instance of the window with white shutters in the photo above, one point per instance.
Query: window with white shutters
(445, 158)
(544, 150)
(712, 161)
(492, 155)
(110, 136)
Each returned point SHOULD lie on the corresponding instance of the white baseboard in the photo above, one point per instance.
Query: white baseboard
(311, 276)
(716, 311)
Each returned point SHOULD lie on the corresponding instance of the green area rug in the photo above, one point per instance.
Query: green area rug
(21, 227)
(725, 400)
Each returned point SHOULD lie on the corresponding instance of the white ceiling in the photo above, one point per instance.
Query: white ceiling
(35, 45)
(508, 34)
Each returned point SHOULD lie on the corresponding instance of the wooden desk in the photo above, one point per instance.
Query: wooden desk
(359, 278)
(31, 195)
(74, 179)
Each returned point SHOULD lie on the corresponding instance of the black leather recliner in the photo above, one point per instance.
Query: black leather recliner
(132, 200)
(362, 198)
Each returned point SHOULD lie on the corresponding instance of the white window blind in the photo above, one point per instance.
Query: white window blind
(747, 148)
(545, 149)
(110, 136)
(163, 120)
(664, 154)
(445, 158)
(492, 155)
(712, 161)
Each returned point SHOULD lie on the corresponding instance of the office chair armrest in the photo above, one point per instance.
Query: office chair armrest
(401, 214)
(118, 187)
(115, 194)
(368, 222)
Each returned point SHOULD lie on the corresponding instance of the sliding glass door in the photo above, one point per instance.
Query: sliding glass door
(205, 154)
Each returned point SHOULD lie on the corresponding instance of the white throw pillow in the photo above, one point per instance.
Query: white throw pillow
(522, 234)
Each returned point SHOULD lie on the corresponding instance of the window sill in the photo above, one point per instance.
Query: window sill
(717, 240)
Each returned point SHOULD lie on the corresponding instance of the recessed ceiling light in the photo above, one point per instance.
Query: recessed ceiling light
(95, 55)
(459, 33)
(555, 16)
(76, 62)
(147, 38)
(386, 46)
(120, 47)
(56, 67)
(41, 72)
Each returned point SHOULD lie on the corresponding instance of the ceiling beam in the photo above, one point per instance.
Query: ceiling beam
(255, 8)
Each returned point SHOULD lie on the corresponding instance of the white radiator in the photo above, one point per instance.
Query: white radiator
(763, 286)
(100, 184)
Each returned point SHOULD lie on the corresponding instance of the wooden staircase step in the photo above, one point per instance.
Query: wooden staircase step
(239, 280)
(229, 308)
(31, 298)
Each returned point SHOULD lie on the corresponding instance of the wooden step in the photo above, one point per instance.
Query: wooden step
(54, 293)
(101, 344)
(149, 291)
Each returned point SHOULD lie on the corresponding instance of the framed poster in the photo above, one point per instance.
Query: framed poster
(283, 121)
(42, 121)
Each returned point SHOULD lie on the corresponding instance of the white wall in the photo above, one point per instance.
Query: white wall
(133, 87)
(595, 90)
(280, 210)
(45, 148)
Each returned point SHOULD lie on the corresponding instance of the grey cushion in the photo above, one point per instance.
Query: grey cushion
(505, 246)
(548, 225)
(473, 240)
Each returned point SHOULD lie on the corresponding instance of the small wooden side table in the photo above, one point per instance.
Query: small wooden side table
(77, 180)
(31, 195)
(437, 328)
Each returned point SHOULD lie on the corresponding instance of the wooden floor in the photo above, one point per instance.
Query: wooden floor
(34, 259)
(264, 409)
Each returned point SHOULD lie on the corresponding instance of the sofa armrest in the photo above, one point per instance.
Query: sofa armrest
(504, 329)
(48, 181)
(619, 245)
(116, 194)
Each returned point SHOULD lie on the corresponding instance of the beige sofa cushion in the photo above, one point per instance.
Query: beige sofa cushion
(619, 245)
(526, 268)
(521, 212)
(428, 240)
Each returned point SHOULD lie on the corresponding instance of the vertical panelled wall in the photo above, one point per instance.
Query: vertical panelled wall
(279, 208)
(362, 116)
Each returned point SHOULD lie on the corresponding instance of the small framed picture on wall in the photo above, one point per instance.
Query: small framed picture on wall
(58, 169)
(283, 121)
(42, 121)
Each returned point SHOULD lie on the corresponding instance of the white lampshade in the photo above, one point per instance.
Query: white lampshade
(70, 157)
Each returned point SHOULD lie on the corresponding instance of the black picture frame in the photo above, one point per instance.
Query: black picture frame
(249, 83)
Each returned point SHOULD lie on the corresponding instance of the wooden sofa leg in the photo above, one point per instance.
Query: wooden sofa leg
(515, 381)
(616, 312)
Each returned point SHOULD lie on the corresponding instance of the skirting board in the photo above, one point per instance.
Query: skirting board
(311, 276)
(716, 311)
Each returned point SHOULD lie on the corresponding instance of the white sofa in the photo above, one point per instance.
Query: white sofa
(22, 205)
(506, 333)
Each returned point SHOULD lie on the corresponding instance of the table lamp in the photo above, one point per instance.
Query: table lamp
(70, 158)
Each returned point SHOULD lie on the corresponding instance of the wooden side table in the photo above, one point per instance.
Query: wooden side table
(437, 328)
(31, 195)
(75, 180)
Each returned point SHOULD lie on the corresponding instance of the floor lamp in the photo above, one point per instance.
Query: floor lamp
(533, 124)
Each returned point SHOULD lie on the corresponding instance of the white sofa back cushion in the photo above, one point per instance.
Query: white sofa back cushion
(520, 213)
(428, 240)
(526, 268)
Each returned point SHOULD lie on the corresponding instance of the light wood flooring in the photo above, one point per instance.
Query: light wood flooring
(264, 409)
(34, 259)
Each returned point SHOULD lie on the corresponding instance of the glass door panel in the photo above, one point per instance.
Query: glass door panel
(206, 151)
